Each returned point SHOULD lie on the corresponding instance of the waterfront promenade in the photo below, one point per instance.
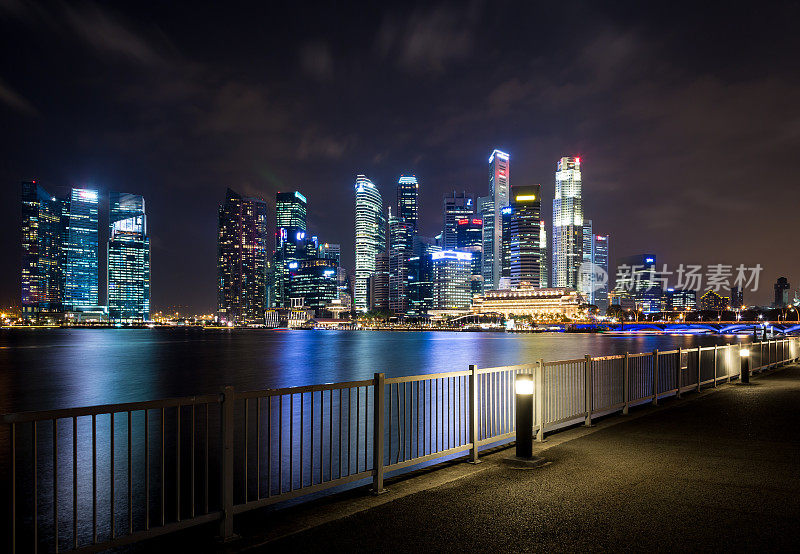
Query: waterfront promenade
(716, 470)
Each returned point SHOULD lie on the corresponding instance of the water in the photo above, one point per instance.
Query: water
(50, 369)
(58, 368)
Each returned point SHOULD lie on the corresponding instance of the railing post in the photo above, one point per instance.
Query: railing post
(699, 375)
(715, 366)
(540, 401)
(728, 363)
(226, 476)
(473, 413)
(678, 373)
(589, 390)
(626, 392)
(379, 422)
(655, 377)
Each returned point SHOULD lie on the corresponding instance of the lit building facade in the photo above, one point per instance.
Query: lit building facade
(456, 206)
(128, 259)
(291, 209)
(80, 250)
(711, 301)
(544, 265)
(43, 226)
(544, 304)
(781, 293)
(401, 240)
(378, 283)
(486, 214)
(452, 271)
(499, 185)
(420, 285)
(601, 246)
(681, 300)
(469, 238)
(314, 281)
(641, 283)
(567, 228)
(242, 260)
(524, 248)
(408, 200)
(370, 236)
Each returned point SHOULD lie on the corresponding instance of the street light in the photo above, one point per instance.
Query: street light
(745, 355)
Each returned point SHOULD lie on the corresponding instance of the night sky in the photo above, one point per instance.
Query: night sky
(686, 118)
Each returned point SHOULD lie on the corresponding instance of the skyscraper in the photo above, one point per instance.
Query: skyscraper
(43, 228)
(781, 293)
(451, 280)
(128, 259)
(587, 277)
(370, 236)
(456, 206)
(80, 250)
(290, 210)
(290, 236)
(524, 250)
(408, 200)
(601, 251)
(544, 266)
(242, 259)
(499, 182)
(567, 230)
(486, 214)
(469, 233)
(401, 240)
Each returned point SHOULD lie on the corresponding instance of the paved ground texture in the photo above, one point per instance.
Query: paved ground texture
(720, 472)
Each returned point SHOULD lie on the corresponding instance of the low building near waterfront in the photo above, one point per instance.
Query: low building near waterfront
(540, 304)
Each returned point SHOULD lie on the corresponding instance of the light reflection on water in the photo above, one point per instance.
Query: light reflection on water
(47, 369)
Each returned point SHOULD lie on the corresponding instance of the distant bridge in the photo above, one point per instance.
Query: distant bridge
(709, 327)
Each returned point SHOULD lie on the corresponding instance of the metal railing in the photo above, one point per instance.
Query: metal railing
(98, 477)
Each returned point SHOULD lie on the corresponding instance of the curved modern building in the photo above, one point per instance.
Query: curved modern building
(370, 236)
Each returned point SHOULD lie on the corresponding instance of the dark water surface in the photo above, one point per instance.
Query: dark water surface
(60, 368)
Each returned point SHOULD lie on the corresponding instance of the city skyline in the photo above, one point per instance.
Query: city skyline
(642, 96)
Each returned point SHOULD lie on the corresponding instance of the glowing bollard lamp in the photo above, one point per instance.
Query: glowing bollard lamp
(745, 355)
(523, 391)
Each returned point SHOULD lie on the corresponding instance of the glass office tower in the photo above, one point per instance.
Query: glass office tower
(370, 236)
(401, 240)
(408, 200)
(567, 230)
(43, 226)
(128, 259)
(80, 250)
(456, 206)
(291, 210)
(523, 236)
(499, 183)
(601, 249)
(242, 260)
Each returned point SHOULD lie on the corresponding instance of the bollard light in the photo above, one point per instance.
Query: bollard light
(745, 371)
(523, 384)
(523, 387)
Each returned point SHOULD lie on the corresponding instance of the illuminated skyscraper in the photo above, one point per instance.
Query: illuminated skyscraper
(451, 280)
(469, 238)
(586, 278)
(567, 230)
(486, 214)
(408, 200)
(370, 236)
(43, 227)
(80, 250)
(600, 260)
(456, 206)
(128, 259)
(524, 234)
(499, 183)
(544, 266)
(242, 259)
(290, 210)
(401, 240)
(290, 238)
